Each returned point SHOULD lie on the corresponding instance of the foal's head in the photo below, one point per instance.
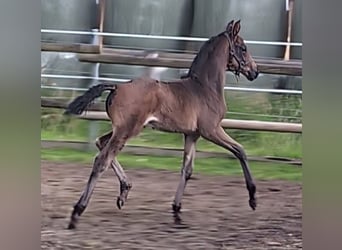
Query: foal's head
(240, 60)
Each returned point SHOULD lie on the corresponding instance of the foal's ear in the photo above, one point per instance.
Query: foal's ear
(236, 28)
(229, 27)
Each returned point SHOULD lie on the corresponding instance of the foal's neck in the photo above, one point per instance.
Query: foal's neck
(209, 66)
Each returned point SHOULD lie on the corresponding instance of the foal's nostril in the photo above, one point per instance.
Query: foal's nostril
(253, 75)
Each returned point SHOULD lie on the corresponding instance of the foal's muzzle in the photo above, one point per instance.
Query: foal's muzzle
(252, 75)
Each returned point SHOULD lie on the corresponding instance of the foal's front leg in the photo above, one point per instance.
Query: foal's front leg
(220, 138)
(125, 184)
(187, 168)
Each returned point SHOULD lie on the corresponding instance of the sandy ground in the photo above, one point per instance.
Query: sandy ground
(215, 213)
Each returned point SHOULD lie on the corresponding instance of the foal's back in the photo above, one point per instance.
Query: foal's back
(168, 106)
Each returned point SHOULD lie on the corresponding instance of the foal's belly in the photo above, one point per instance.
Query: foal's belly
(167, 124)
(164, 128)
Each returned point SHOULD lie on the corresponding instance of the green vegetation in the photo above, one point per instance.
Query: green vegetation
(211, 166)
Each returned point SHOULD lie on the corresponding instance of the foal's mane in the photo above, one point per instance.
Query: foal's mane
(203, 54)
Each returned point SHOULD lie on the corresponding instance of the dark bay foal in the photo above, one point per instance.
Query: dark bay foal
(193, 106)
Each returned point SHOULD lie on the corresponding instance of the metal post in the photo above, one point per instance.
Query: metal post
(93, 125)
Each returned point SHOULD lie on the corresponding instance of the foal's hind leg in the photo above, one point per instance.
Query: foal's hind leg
(101, 163)
(219, 137)
(188, 164)
(125, 184)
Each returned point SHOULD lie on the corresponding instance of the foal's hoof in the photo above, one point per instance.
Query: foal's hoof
(176, 208)
(119, 202)
(252, 203)
(177, 219)
(71, 225)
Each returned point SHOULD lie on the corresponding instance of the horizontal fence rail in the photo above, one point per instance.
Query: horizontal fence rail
(96, 113)
(226, 123)
(90, 54)
(267, 68)
(70, 47)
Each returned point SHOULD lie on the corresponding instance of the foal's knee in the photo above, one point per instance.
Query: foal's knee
(239, 152)
(187, 173)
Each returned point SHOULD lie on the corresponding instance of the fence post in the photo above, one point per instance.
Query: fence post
(93, 125)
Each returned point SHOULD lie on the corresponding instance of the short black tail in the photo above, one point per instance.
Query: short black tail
(82, 102)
